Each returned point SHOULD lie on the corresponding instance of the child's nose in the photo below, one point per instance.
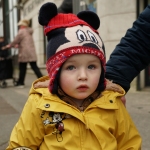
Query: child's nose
(82, 74)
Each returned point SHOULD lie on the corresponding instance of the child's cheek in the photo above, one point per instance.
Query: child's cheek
(96, 80)
(66, 80)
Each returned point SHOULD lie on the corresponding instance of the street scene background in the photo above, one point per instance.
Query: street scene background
(114, 23)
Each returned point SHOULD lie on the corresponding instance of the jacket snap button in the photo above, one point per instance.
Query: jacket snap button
(111, 101)
(47, 105)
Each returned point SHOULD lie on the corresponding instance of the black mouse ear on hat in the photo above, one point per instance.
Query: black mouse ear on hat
(46, 13)
(91, 18)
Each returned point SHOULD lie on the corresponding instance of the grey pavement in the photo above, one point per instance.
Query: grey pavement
(12, 101)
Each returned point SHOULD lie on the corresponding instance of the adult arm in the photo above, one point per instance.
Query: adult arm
(132, 54)
(17, 39)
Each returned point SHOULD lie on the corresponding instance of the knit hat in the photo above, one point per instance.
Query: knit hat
(68, 35)
(23, 23)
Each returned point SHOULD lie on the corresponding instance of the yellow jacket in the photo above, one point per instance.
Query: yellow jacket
(103, 125)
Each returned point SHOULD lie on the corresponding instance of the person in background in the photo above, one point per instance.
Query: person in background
(3, 57)
(75, 111)
(1, 42)
(2, 60)
(27, 53)
(3, 45)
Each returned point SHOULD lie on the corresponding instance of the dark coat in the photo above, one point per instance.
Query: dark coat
(3, 53)
(132, 54)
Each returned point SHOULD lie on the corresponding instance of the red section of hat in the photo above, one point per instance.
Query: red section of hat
(65, 20)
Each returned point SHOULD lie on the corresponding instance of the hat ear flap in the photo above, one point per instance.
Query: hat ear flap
(46, 13)
(91, 18)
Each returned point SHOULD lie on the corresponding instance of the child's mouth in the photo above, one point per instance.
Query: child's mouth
(82, 88)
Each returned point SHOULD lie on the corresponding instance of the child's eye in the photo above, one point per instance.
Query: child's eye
(91, 67)
(70, 67)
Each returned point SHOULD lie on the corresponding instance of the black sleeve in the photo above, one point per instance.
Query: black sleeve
(132, 54)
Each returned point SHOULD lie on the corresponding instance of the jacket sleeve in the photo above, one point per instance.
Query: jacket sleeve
(17, 39)
(28, 131)
(127, 135)
(132, 54)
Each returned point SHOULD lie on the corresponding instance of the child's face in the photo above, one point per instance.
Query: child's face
(80, 75)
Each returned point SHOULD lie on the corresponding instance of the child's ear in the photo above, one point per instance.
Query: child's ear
(46, 13)
(91, 18)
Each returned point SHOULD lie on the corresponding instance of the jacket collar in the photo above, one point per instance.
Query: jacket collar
(106, 101)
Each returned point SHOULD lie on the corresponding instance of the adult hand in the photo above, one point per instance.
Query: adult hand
(7, 46)
(123, 99)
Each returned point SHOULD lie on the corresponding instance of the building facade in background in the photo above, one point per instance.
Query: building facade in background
(115, 16)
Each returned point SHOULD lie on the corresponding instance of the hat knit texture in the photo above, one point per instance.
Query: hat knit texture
(64, 21)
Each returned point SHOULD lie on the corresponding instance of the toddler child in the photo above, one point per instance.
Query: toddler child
(74, 112)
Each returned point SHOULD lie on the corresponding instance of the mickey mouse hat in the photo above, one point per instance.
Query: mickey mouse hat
(68, 35)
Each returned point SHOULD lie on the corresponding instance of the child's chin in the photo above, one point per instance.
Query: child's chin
(81, 97)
